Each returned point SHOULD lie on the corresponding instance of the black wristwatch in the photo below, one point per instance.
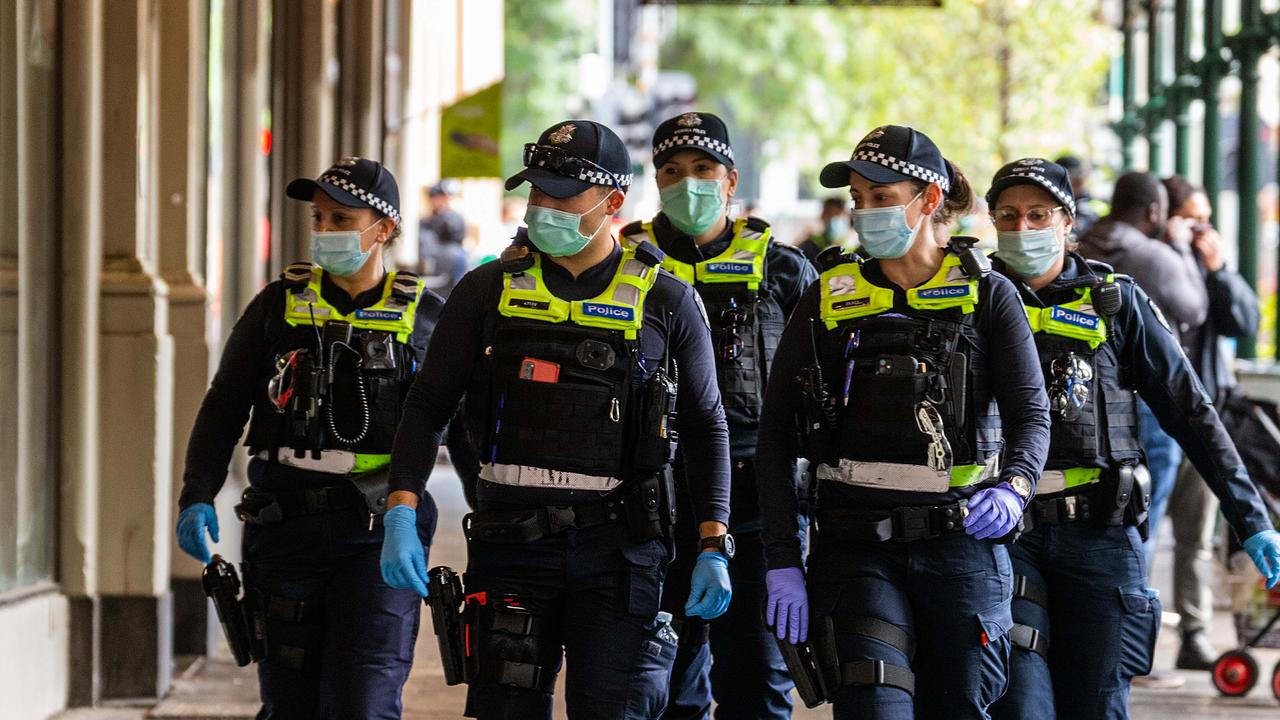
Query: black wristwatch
(723, 543)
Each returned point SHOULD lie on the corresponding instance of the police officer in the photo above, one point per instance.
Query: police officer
(1086, 622)
(748, 283)
(572, 352)
(324, 357)
(888, 379)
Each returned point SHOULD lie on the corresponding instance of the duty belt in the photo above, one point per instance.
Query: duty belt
(904, 524)
(263, 507)
(528, 525)
(1058, 510)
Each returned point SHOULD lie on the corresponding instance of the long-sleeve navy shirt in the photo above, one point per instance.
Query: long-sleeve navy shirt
(673, 323)
(1007, 351)
(246, 367)
(1153, 362)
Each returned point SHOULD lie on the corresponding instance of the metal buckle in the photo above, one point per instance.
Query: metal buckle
(913, 523)
(560, 518)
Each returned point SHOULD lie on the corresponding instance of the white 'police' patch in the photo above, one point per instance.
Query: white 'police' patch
(378, 315)
(612, 312)
(1074, 317)
(944, 292)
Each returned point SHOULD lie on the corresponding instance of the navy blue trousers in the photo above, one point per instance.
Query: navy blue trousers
(748, 677)
(596, 595)
(1101, 622)
(357, 632)
(951, 595)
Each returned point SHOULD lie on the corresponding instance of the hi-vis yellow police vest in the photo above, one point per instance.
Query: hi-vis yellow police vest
(846, 294)
(620, 307)
(393, 313)
(1076, 320)
(741, 262)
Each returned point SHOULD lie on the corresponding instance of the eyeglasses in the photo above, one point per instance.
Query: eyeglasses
(731, 318)
(1069, 390)
(562, 163)
(1038, 216)
(280, 386)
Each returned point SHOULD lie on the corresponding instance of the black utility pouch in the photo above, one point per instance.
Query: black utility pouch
(643, 509)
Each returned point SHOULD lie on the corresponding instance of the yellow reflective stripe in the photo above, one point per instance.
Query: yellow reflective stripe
(966, 475)
(524, 295)
(1075, 477)
(1070, 320)
(939, 293)
(382, 316)
(619, 307)
(682, 270)
(844, 295)
(368, 462)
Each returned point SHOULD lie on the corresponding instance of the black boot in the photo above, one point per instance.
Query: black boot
(1196, 653)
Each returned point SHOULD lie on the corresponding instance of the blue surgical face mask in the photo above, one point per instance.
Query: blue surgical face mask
(339, 252)
(692, 205)
(883, 232)
(1028, 253)
(556, 232)
(836, 228)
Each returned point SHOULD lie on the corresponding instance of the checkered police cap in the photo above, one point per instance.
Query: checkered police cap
(1046, 175)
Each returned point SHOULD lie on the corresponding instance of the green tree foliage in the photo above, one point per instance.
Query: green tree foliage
(542, 41)
(988, 80)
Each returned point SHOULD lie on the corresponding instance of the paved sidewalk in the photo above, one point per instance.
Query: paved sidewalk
(215, 688)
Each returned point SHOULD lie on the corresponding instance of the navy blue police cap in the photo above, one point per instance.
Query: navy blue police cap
(890, 154)
(355, 182)
(572, 156)
(1049, 176)
(692, 131)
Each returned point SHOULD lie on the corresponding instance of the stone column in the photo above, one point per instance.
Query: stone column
(81, 258)
(135, 362)
(183, 52)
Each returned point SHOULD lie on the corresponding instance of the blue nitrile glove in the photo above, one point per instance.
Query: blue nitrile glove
(404, 560)
(788, 607)
(709, 590)
(993, 512)
(192, 524)
(1264, 549)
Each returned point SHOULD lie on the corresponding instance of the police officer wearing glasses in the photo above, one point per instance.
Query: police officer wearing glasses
(910, 382)
(324, 357)
(581, 361)
(749, 283)
(1085, 620)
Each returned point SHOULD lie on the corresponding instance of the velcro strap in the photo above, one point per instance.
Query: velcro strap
(877, 672)
(1028, 590)
(1029, 638)
(691, 631)
(527, 676)
(878, 629)
(1059, 510)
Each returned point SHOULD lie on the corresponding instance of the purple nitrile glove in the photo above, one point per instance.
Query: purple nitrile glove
(1264, 550)
(788, 606)
(993, 512)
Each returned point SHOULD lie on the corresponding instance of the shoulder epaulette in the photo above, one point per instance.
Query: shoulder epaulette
(297, 274)
(405, 286)
(973, 261)
(833, 256)
(757, 224)
(632, 228)
(648, 253)
(515, 258)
